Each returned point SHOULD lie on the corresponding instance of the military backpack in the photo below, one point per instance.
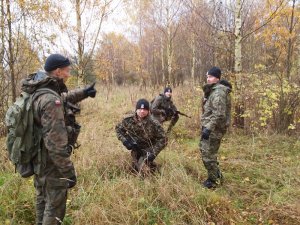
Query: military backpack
(24, 137)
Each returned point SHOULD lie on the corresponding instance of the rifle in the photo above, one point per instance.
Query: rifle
(73, 128)
(180, 113)
(75, 109)
(142, 160)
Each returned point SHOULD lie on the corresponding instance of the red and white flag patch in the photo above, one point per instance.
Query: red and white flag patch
(57, 102)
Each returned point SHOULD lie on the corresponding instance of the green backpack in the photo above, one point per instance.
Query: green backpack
(24, 138)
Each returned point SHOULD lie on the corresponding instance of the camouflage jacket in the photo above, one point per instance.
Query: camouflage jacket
(163, 106)
(147, 133)
(216, 107)
(49, 117)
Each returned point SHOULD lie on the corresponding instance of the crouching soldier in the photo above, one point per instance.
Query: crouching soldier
(163, 109)
(143, 136)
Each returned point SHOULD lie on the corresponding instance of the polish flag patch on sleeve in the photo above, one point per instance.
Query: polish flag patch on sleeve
(57, 102)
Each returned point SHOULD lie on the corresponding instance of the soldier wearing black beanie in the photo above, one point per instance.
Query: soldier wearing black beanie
(215, 120)
(55, 61)
(214, 71)
(142, 104)
(141, 134)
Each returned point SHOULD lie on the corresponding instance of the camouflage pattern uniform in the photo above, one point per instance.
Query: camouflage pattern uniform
(52, 166)
(216, 118)
(147, 133)
(163, 109)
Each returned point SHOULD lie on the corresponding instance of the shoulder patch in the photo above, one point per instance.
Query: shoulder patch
(57, 102)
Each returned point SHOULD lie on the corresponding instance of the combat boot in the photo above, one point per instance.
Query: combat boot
(209, 184)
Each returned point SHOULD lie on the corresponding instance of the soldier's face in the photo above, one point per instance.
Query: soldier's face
(168, 94)
(63, 73)
(211, 79)
(142, 113)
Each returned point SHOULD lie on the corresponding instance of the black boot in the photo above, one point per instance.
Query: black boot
(209, 184)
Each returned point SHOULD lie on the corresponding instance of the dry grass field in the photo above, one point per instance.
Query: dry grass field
(262, 174)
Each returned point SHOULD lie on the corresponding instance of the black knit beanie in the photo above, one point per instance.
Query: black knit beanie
(142, 104)
(168, 89)
(55, 61)
(215, 71)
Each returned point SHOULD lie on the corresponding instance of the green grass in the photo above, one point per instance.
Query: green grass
(262, 175)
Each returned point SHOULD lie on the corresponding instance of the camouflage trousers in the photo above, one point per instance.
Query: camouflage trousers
(173, 120)
(51, 198)
(141, 165)
(209, 152)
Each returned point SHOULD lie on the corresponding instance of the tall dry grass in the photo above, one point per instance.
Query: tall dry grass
(261, 174)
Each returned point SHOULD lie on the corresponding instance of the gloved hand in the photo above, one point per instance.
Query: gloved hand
(72, 181)
(90, 91)
(205, 133)
(135, 147)
(169, 112)
(128, 145)
(163, 113)
(150, 157)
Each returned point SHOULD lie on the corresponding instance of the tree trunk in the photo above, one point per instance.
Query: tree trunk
(193, 46)
(289, 52)
(238, 38)
(11, 52)
(3, 83)
(169, 45)
(162, 60)
(239, 107)
(286, 114)
(80, 71)
(162, 47)
(154, 70)
(2, 21)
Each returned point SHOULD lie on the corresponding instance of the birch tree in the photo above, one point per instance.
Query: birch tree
(84, 34)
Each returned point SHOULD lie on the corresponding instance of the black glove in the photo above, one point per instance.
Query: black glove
(90, 91)
(72, 181)
(150, 157)
(128, 145)
(135, 147)
(205, 133)
(163, 113)
(169, 112)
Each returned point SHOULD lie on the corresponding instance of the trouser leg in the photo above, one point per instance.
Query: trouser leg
(173, 121)
(39, 186)
(56, 199)
(209, 152)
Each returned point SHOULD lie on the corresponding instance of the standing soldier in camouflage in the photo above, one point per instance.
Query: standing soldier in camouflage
(54, 172)
(215, 120)
(163, 108)
(143, 136)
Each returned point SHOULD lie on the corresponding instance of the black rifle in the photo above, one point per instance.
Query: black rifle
(73, 128)
(180, 113)
(135, 147)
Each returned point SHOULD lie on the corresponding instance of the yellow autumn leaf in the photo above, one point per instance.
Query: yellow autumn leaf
(247, 179)
(223, 157)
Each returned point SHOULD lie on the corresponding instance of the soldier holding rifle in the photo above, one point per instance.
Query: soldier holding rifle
(163, 109)
(143, 136)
